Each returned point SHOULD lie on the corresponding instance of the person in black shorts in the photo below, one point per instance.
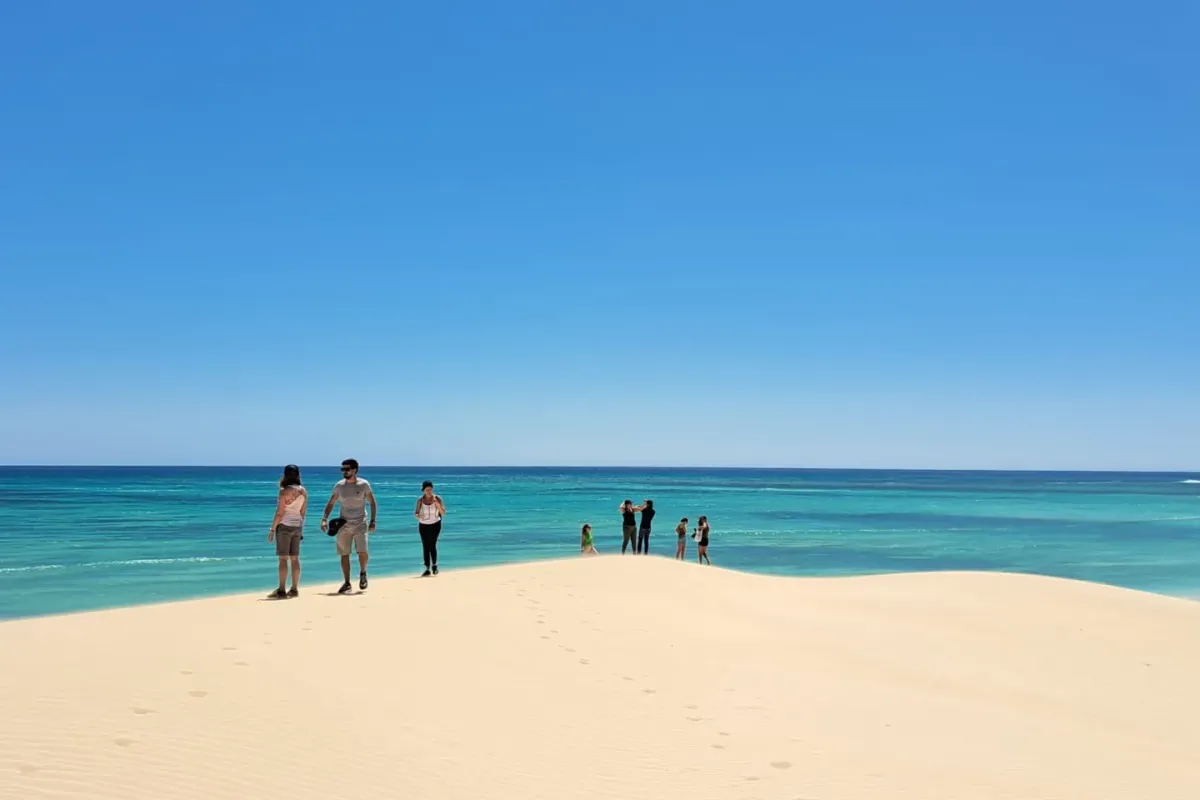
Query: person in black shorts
(702, 542)
(429, 512)
(628, 525)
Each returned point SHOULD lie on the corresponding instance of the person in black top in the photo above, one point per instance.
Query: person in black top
(628, 525)
(643, 535)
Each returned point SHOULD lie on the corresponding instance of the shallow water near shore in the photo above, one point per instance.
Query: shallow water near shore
(74, 539)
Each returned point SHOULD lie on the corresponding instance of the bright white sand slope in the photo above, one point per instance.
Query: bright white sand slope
(614, 678)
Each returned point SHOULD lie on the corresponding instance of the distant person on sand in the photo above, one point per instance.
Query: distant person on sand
(429, 512)
(702, 542)
(681, 536)
(353, 493)
(587, 546)
(628, 525)
(643, 534)
(287, 529)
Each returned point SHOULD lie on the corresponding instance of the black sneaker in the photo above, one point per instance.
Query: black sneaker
(435, 569)
(425, 574)
(293, 592)
(362, 581)
(345, 588)
(278, 594)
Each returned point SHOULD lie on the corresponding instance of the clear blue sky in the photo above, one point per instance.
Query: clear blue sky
(924, 234)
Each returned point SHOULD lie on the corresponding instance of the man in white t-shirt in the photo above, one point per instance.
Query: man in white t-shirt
(354, 494)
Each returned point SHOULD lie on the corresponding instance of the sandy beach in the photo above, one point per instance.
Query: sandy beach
(614, 678)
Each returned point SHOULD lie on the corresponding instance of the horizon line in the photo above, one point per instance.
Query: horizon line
(723, 468)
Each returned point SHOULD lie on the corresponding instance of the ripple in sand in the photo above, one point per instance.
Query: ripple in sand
(141, 712)
(198, 693)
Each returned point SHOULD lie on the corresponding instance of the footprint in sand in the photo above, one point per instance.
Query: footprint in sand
(722, 733)
(568, 649)
(718, 747)
(123, 742)
(185, 672)
(229, 648)
(544, 637)
(241, 663)
(141, 712)
(626, 678)
(695, 719)
(198, 693)
(584, 661)
(781, 764)
(752, 778)
(649, 691)
(28, 769)
(691, 708)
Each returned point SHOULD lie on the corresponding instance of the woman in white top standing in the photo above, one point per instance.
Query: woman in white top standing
(287, 529)
(429, 512)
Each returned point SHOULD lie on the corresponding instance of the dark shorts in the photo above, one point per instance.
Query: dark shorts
(287, 540)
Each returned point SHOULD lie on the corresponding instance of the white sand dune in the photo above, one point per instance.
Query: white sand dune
(614, 678)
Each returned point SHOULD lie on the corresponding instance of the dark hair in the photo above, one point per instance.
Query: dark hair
(627, 503)
(650, 504)
(587, 526)
(291, 477)
(350, 463)
(426, 485)
(683, 520)
(704, 519)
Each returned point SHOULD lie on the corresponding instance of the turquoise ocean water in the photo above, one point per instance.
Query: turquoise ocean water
(83, 538)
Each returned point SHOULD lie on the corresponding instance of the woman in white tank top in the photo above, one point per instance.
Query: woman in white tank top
(287, 529)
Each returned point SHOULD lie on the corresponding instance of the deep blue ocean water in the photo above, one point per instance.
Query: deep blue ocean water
(83, 538)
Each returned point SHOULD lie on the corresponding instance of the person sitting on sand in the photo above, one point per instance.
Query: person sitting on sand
(643, 534)
(287, 529)
(702, 542)
(429, 513)
(681, 535)
(587, 546)
(628, 525)
(354, 493)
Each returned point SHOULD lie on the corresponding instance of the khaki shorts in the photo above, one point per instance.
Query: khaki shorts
(287, 540)
(352, 532)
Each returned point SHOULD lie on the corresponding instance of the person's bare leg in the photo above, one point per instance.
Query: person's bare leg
(283, 572)
(295, 572)
(346, 567)
(362, 561)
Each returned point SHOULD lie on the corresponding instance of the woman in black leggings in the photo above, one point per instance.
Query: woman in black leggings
(429, 513)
